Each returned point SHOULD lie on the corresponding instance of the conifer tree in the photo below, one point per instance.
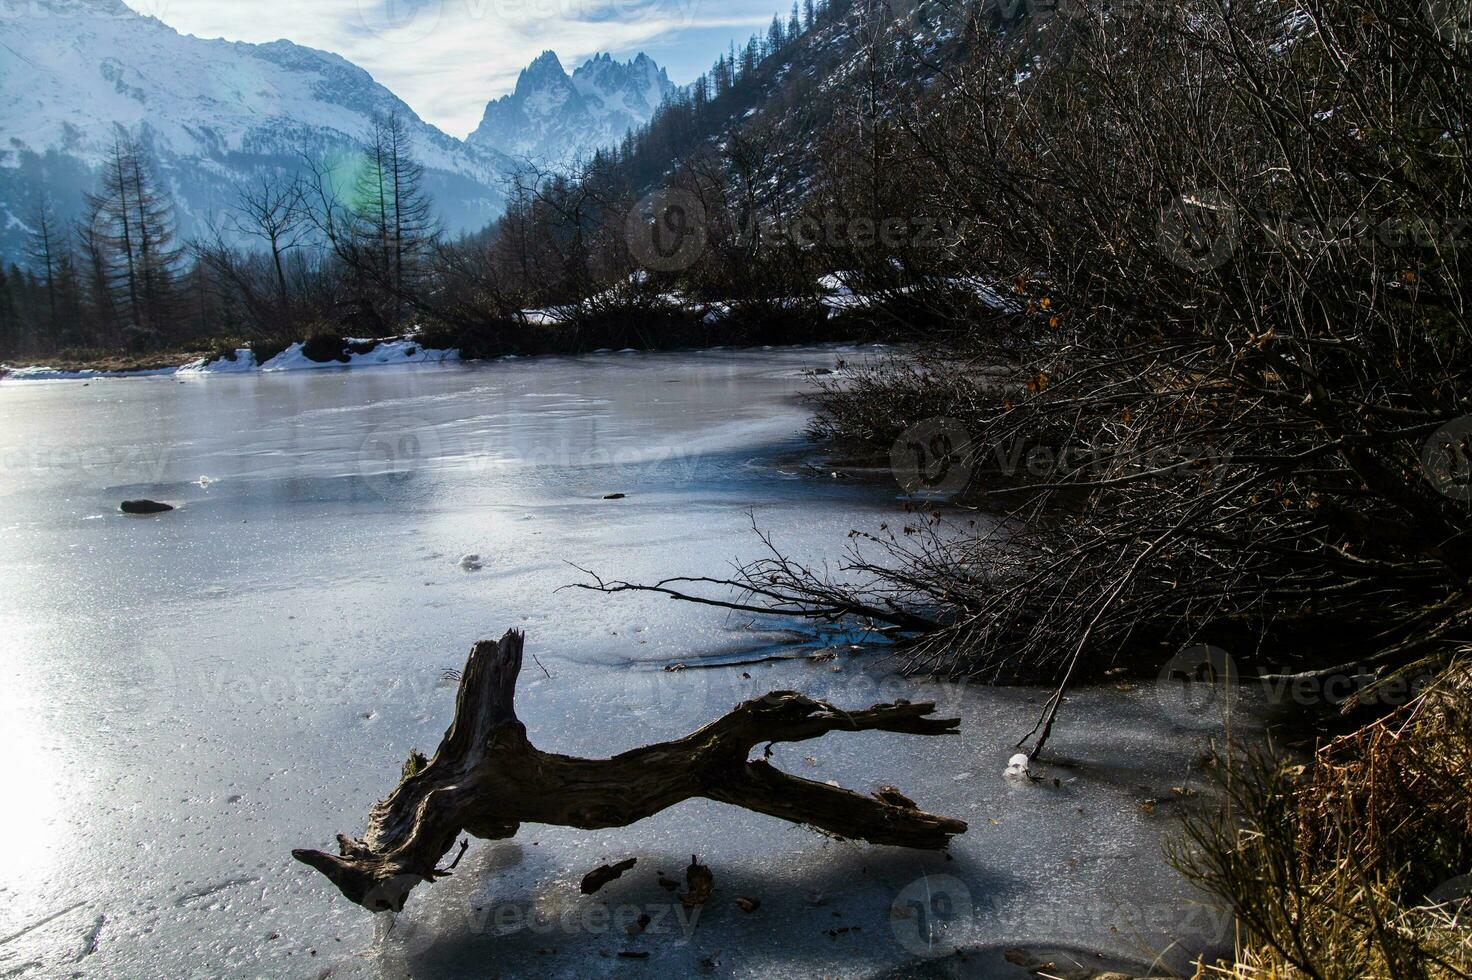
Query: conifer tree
(132, 237)
(44, 248)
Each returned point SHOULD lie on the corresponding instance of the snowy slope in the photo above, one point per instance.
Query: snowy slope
(552, 116)
(212, 111)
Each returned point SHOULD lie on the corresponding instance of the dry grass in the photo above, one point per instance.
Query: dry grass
(101, 359)
(1355, 865)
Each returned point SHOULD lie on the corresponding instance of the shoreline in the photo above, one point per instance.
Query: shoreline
(387, 352)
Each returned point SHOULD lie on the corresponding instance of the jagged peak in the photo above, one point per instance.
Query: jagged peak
(553, 115)
(546, 61)
(604, 65)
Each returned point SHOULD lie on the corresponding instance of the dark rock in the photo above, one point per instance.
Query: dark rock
(265, 350)
(143, 507)
(324, 347)
(614, 496)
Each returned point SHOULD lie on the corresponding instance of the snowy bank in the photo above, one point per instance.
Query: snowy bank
(381, 353)
(42, 373)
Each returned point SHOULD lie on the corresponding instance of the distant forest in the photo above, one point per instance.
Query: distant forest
(360, 253)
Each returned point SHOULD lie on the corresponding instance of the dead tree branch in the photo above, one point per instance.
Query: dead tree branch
(486, 779)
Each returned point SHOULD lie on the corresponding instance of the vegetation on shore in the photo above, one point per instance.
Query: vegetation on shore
(109, 361)
(1348, 866)
(1233, 415)
(1240, 232)
(667, 330)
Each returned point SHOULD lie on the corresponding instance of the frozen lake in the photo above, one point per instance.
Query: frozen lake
(188, 697)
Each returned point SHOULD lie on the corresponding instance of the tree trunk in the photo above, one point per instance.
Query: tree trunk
(486, 779)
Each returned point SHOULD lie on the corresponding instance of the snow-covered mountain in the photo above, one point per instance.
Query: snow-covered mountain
(552, 117)
(212, 112)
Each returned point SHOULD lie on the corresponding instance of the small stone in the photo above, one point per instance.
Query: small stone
(1017, 766)
(144, 507)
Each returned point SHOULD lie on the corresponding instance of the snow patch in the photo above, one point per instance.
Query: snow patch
(43, 373)
(245, 360)
(388, 353)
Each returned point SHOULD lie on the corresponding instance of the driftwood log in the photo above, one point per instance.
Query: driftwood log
(486, 779)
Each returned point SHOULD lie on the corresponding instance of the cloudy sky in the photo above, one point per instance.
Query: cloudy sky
(447, 58)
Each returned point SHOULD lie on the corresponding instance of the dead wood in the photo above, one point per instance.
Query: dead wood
(604, 873)
(699, 884)
(486, 779)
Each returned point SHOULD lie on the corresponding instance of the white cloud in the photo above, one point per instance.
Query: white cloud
(447, 58)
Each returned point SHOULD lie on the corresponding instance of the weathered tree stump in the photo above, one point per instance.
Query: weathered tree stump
(486, 779)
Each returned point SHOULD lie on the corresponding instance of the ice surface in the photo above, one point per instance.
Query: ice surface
(189, 697)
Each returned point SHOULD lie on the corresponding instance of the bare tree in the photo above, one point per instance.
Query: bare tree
(273, 211)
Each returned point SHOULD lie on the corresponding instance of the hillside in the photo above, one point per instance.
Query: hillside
(214, 113)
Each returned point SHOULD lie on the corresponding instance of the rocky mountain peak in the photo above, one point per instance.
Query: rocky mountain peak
(552, 116)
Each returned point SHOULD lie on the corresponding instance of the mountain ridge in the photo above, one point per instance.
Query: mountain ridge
(214, 114)
(552, 116)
